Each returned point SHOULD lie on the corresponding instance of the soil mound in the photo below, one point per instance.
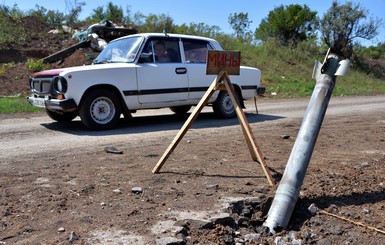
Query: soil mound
(39, 42)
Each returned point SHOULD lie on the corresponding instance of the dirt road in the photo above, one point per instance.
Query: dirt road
(56, 179)
(39, 133)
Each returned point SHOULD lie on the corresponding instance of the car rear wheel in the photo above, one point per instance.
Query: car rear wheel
(180, 110)
(100, 110)
(223, 107)
(61, 117)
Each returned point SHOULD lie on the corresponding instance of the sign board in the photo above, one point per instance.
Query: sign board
(218, 60)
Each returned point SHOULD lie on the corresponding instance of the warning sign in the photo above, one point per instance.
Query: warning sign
(217, 61)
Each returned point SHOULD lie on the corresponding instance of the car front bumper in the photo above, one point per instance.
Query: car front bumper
(53, 104)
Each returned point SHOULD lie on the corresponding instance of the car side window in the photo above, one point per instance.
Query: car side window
(195, 51)
(162, 51)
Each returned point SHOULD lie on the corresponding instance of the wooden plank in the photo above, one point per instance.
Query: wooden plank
(255, 152)
(220, 86)
(65, 52)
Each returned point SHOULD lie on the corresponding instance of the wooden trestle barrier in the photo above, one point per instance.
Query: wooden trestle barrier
(221, 82)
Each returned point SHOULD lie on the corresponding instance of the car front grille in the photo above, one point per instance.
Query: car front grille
(41, 85)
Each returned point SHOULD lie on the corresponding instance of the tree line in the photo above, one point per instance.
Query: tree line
(289, 25)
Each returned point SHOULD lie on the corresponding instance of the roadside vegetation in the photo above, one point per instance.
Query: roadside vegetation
(285, 45)
(16, 104)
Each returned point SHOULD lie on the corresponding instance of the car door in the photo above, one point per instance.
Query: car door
(162, 81)
(195, 52)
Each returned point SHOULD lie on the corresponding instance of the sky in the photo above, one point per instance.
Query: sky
(210, 12)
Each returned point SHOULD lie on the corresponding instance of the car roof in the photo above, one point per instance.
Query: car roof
(148, 35)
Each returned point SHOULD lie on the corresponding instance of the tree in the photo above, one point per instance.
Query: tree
(51, 18)
(341, 24)
(97, 15)
(15, 13)
(288, 24)
(138, 19)
(73, 10)
(240, 23)
(54, 19)
(127, 19)
(39, 12)
(10, 31)
(157, 23)
(200, 29)
(113, 13)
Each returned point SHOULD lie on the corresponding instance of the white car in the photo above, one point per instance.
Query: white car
(141, 71)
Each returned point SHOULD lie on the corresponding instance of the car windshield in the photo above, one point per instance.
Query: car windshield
(123, 50)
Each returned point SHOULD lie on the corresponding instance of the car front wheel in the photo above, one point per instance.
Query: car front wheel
(223, 107)
(100, 110)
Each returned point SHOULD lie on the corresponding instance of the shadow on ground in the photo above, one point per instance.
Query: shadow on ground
(146, 124)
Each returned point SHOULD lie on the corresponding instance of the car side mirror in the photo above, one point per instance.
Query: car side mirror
(146, 57)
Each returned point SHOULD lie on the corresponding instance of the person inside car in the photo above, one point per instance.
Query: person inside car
(160, 52)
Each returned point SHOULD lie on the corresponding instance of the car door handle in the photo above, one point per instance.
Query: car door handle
(180, 70)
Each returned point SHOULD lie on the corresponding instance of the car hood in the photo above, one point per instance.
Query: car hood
(52, 72)
(63, 71)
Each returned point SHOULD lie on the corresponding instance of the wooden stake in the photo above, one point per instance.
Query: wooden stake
(188, 123)
(255, 152)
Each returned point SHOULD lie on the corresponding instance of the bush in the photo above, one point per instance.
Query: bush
(376, 67)
(9, 32)
(4, 66)
(34, 65)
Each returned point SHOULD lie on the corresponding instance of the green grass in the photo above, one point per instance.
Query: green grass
(10, 105)
(357, 83)
(288, 72)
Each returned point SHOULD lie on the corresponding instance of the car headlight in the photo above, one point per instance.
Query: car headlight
(60, 84)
